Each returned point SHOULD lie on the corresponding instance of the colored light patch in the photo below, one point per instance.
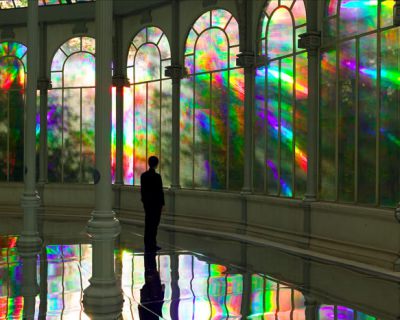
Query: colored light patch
(16, 49)
(88, 45)
(79, 70)
(285, 188)
(220, 18)
(280, 34)
(147, 63)
(154, 34)
(71, 46)
(190, 41)
(299, 12)
(358, 16)
(211, 52)
(203, 22)
(12, 74)
(140, 38)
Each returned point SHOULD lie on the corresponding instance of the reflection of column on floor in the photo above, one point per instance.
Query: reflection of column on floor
(43, 284)
(312, 308)
(174, 309)
(30, 288)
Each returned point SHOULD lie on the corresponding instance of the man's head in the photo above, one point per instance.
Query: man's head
(153, 162)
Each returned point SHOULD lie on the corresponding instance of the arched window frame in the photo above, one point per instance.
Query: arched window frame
(233, 179)
(18, 51)
(359, 166)
(271, 173)
(134, 159)
(58, 159)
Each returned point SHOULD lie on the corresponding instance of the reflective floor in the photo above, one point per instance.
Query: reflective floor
(192, 277)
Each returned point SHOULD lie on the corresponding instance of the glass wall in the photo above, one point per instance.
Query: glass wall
(360, 104)
(212, 110)
(147, 106)
(12, 99)
(280, 159)
(70, 117)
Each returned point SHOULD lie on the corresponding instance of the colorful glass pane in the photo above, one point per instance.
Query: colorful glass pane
(88, 45)
(299, 12)
(190, 41)
(154, 34)
(357, 16)
(79, 70)
(147, 63)
(71, 46)
(12, 74)
(211, 52)
(58, 61)
(220, 18)
(203, 22)
(232, 31)
(140, 38)
(332, 7)
(280, 34)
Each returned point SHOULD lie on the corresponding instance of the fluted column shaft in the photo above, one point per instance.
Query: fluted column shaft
(311, 41)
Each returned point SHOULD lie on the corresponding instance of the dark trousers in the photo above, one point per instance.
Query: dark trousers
(152, 220)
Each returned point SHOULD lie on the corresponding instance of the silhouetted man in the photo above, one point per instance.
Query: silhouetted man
(153, 202)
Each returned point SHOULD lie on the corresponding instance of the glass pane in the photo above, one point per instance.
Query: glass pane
(186, 132)
(259, 131)
(4, 132)
(219, 111)
(367, 111)
(16, 137)
(327, 114)
(88, 44)
(128, 136)
(58, 61)
(286, 127)
(131, 56)
(190, 42)
(140, 38)
(72, 134)
(3, 49)
(153, 118)
(56, 79)
(387, 13)
(332, 7)
(299, 12)
(280, 34)
(236, 128)
(166, 133)
(390, 119)
(164, 48)
(300, 123)
(140, 129)
(202, 131)
(88, 108)
(16, 49)
(54, 134)
(79, 70)
(357, 16)
(211, 51)
(154, 34)
(147, 63)
(71, 46)
(271, 6)
(232, 30)
(220, 18)
(273, 127)
(203, 22)
(12, 74)
(347, 113)
(329, 31)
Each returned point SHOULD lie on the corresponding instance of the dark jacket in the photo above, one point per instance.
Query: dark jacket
(151, 188)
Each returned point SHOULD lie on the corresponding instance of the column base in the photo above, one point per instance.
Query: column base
(103, 300)
(308, 199)
(103, 225)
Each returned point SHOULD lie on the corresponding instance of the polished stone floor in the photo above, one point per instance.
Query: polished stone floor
(192, 277)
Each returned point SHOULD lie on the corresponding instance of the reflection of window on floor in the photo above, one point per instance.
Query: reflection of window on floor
(270, 299)
(12, 4)
(11, 301)
(329, 312)
(68, 272)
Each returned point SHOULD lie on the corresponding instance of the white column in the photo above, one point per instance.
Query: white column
(311, 40)
(29, 240)
(103, 298)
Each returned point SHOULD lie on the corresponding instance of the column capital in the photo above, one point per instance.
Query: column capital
(175, 72)
(120, 81)
(310, 40)
(249, 59)
(44, 84)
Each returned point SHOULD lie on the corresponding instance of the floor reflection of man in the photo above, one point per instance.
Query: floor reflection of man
(152, 292)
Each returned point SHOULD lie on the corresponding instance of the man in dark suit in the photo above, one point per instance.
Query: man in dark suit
(153, 202)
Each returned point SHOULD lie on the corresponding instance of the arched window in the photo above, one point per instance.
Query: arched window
(148, 106)
(212, 105)
(280, 166)
(70, 117)
(12, 99)
(360, 104)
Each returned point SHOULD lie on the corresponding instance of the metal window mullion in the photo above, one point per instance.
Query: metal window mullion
(279, 126)
(294, 110)
(134, 131)
(62, 131)
(293, 306)
(225, 296)
(208, 290)
(378, 111)
(191, 288)
(335, 312)
(277, 302)
(357, 120)
(8, 136)
(228, 128)
(265, 167)
(337, 124)
(81, 137)
(210, 133)
(160, 127)
(147, 122)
